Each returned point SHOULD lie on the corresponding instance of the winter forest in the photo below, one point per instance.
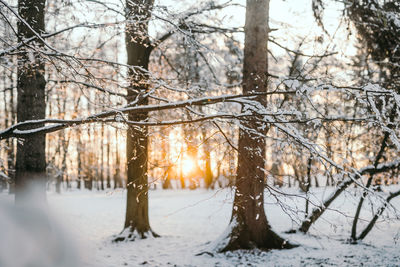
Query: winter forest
(199, 133)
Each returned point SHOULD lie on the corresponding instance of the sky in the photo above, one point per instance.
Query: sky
(291, 19)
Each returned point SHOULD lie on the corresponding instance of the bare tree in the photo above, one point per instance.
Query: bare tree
(249, 225)
(31, 157)
(138, 48)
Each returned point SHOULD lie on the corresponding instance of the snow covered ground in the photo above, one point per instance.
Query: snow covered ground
(189, 220)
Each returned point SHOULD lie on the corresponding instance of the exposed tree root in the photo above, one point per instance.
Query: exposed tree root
(129, 234)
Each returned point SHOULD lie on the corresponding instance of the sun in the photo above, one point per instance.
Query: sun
(188, 165)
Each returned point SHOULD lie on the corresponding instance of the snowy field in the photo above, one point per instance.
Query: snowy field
(189, 221)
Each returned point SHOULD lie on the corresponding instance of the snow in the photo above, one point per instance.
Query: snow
(192, 222)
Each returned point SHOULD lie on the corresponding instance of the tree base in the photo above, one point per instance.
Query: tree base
(245, 239)
(236, 244)
(129, 234)
(352, 241)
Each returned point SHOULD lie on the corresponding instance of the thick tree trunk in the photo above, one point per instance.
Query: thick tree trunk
(138, 50)
(249, 224)
(31, 157)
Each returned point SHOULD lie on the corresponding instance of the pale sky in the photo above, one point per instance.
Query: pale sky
(291, 18)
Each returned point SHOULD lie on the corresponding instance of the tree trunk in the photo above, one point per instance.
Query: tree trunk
(31, 157)
(319, 210)
(108, 159)
(249, 225)
(117, 174)
(208, 175)
(3, 183)
(381, 209)
(102, 157)
(308, 186)
(11, 157)
(168, 174)
(181, 178)
(138, 50)
(369, 182)
(79, 151)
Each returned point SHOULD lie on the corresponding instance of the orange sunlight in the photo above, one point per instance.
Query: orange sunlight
(188, 166)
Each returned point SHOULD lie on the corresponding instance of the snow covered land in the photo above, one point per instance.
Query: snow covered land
(190, 222)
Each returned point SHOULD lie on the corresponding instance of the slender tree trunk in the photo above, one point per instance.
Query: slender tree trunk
(89, 156)
(108, 159)
(11, 156)
(65, 143)
(181, 178)
(3, 183)
(318, 211)
(102, 158)
(208, 175)
(79, 158)
(31, 157)
(369, 182)
(117, 175)
(371, 224)
(308, 186)
(138, 50)
(249, 224)
(166, 181)
(60, 152)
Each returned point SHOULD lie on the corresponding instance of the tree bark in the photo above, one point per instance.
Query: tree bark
(138, 48)
(31, 157)
(249, 224)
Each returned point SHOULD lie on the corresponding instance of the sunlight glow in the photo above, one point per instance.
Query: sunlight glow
(188, 166)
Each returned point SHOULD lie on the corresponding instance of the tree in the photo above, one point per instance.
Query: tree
(158, 93)
(31, 157)
(138, 48)
(249, 225)
(377, 27)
